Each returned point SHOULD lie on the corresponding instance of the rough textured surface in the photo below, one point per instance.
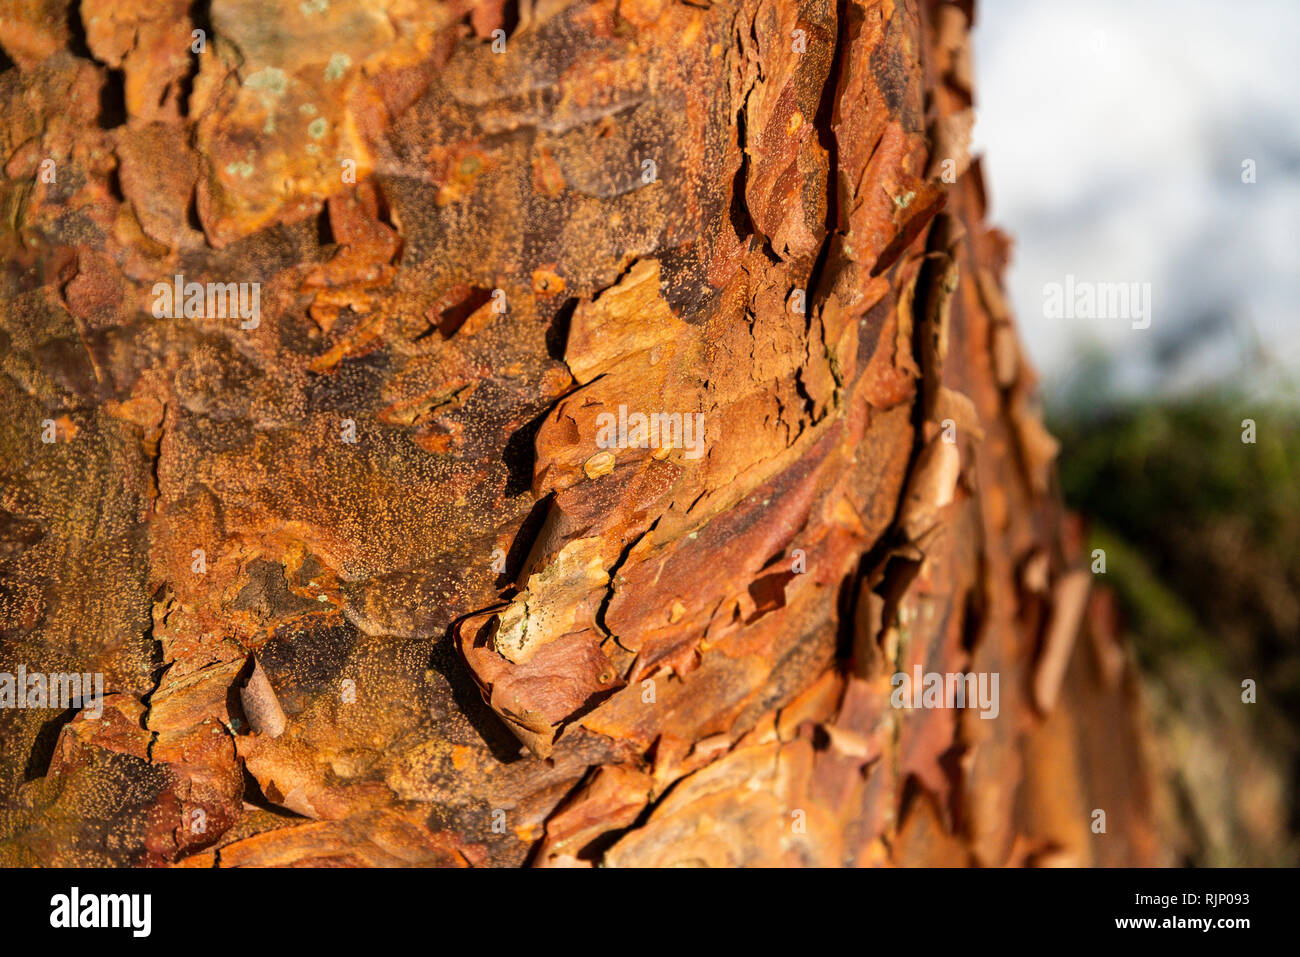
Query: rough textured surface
(491, 640)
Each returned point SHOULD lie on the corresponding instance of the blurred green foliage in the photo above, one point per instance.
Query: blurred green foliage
(1202, 538)
(1205, 527)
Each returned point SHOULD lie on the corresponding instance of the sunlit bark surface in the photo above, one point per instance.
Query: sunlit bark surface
(370, 572)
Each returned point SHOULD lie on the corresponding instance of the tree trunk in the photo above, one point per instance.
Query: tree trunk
(619, 415)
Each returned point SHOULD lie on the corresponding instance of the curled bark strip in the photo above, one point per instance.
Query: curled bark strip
(1069, 599)
(261, 706)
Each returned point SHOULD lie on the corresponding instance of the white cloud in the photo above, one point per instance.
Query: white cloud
(1113, 135)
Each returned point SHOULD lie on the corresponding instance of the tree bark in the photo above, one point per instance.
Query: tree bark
(374, 572)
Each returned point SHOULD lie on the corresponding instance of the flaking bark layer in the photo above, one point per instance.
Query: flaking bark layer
(491, 639)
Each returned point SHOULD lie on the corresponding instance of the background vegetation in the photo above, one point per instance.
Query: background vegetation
(1202, 538)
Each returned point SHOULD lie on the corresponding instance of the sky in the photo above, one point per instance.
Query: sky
(1113, 134)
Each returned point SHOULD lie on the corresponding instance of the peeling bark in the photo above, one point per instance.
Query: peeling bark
(489, 638)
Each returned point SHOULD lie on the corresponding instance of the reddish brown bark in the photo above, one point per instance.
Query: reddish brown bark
(686, 658)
